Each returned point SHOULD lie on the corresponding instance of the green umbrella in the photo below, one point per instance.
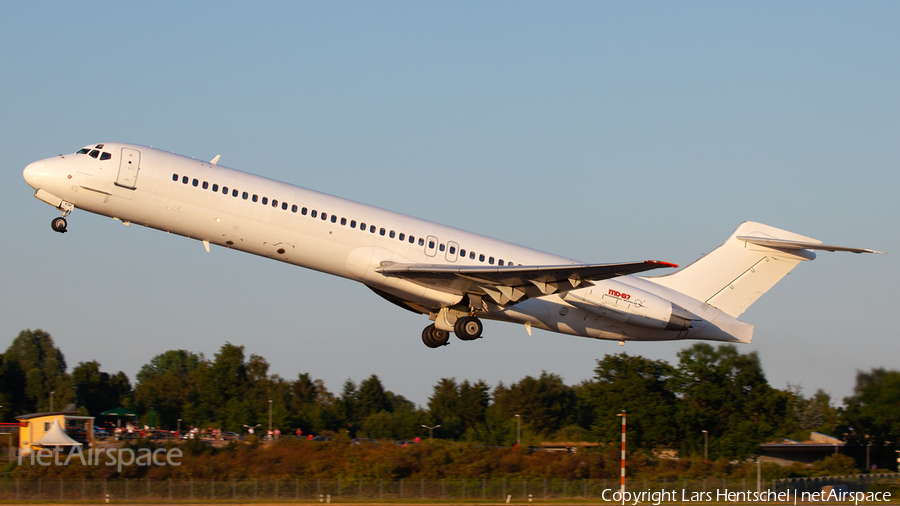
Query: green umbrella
(119, 412)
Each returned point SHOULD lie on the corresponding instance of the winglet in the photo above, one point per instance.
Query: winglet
(215, 160)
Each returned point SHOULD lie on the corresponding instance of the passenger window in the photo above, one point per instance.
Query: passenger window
(184, 179)
(422, 242)
(294, 208)
(225, 190)
(105, 156)
(274, 203)
(94, 153)
(391, 234)
(481, 257)
(402, 236)
(452, 250)
(265, 200)
(334, 218)
(313, 213)
(324, 216)
(362, 226)
(245, 195)
(234, 193)
(491, 260)
(412, 239)
(255, 198)
(284, 206)
(343, 221)
(382, 231)
(442, 247)
(352, 223)
(215, 187)
(430, 244)
(205, 185)
(472, 255)
(500, 262)
(174, 177)
(303, 211)
(195, 182)
(372, 228)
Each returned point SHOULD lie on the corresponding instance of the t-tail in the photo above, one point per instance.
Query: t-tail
(749, 263)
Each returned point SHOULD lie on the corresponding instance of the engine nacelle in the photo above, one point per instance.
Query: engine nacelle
(632, 306)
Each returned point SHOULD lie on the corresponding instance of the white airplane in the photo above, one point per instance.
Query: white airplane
(455, 277)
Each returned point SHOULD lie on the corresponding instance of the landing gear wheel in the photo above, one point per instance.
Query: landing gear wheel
(434, 337)
(468, 328)
(59, 225)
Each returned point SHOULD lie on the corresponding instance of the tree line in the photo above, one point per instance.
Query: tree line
(713, 389)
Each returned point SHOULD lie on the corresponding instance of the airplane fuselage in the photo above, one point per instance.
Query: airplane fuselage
(250, 213)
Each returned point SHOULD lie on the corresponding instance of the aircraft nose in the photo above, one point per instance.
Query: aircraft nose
(34, 175)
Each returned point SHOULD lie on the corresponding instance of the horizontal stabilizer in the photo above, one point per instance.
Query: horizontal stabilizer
(783, 244)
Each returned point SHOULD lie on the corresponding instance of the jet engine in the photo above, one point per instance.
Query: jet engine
(631, 306)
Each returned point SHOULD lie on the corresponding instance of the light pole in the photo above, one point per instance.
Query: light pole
(623, 451)
(431, 431)
(518, 430)
(51, 400)
(705, 445)
(270, 418)
(178, 430)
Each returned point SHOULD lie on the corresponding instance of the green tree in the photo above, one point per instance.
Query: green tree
(372, 398)
(97, 390)
(639, 386)
(169, 384)
(32, 368)
(545, 403)
(872, 416)
(726, 393)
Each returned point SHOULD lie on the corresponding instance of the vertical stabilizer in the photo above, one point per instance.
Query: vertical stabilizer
(734, 275)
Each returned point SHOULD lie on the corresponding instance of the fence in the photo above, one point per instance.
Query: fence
(451, 490)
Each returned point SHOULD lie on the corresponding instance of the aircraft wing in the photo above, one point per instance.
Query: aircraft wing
(512, 283)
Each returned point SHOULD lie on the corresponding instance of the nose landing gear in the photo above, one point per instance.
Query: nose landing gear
(59, 224)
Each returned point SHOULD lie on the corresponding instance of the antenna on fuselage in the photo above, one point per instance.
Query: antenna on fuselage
(215, 160)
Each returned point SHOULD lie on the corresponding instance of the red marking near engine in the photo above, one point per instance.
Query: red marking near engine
(623, 296)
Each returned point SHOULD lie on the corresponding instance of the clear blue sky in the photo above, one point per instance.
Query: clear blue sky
(601, 131)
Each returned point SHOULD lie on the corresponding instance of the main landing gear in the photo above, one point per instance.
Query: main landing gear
(467, 328)
(434, 337)
(59, 224)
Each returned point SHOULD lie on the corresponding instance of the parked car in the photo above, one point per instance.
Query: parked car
(322, 438)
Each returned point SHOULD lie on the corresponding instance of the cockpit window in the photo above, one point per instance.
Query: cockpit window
(105, 156)
(94, 153)
(83, 151)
